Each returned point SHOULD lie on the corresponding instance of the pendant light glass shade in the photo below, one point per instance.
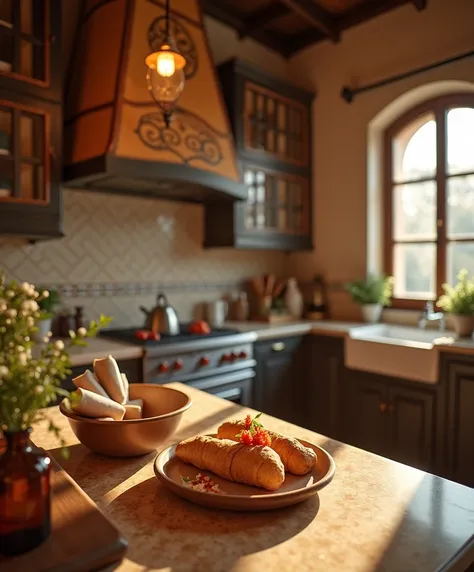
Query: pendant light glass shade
(165, 75)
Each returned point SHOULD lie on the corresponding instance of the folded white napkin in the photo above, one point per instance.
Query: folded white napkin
(88, 381)
(132, 411)
(92, 404)
(108, 373)
(125, 386)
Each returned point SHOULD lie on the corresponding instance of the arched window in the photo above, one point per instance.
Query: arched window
(429, 198)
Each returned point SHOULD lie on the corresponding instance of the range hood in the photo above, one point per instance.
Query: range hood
(116, 139)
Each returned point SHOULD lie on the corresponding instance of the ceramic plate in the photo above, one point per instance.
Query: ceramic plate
(235, 496)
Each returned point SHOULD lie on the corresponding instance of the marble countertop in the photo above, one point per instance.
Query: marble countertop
(101, 347)
(266, 331)
(375, 515)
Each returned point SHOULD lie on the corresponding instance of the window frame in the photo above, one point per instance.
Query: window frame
(439, 108)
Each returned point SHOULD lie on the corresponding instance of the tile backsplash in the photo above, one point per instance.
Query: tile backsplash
(118, 252)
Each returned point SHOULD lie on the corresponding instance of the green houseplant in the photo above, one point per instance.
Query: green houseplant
(372, 293)
(30, 379)
(458, 301)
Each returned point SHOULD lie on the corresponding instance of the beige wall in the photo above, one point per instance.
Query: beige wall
(391, 44)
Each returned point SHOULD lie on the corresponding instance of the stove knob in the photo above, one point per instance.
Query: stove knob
(204, 361)
(178, 364)
(233, 356)
(243, 355)
(226, 357)
(163, 367)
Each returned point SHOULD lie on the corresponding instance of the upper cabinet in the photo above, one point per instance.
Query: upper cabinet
(30, 50)
(30, 118)
(271, 121)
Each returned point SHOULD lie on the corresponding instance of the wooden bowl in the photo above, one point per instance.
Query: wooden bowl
(163, 408)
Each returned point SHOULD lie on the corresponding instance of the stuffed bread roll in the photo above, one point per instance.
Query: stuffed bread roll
(297, 459)
(252, 465)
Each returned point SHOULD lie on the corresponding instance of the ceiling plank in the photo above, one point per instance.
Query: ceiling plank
(273, 40)
(420, 4)
(305, 39)
(260, 18)
(370, 10)
(316, 16)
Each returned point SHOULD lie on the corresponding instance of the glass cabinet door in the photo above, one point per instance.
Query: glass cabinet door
(24, 163)
(24, 40)
(276, 202)
(275, 125)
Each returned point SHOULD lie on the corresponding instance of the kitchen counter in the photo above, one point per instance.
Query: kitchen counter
(266, 331)
(375, 515)
(101, 347)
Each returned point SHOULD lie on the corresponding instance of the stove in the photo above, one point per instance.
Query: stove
(220, 362)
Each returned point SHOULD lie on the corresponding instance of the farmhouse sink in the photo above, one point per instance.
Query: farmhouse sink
(397, 351)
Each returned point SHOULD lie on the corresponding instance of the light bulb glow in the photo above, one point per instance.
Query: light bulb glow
(165, 65)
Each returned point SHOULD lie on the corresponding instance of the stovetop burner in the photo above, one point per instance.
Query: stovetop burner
(128, 335)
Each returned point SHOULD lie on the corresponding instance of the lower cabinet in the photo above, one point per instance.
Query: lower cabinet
(458, 439)
(390, 417)
(279, 381)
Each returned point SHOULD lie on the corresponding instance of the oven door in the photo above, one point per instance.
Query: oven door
(235, 387)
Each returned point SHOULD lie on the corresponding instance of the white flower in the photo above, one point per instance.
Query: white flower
(11, 313)
(34, 306)
(20, 349)
(30, 322)
(45, 294)
(3, 371)
(9, 294)
(82, 332)
(39, 389)
(24, 312)
(25, 287)
(3, 305)
(49, 334)
(27, 338)
(22, 358)
(59, 345)
(8, 321)
(46, 339)
(35, 294)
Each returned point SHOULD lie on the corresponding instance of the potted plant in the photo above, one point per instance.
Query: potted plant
(372, 293)
(459, 302)
(47, 306)
(30, 379)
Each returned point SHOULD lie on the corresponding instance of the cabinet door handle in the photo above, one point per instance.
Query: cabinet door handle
(383, 407)
(278, 346)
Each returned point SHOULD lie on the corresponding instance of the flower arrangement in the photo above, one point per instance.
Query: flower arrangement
(371, 290)
(31, 372)
(459, 299)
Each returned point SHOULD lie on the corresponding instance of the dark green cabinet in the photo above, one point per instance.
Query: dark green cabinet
(271, 121)
(30, 118)
(458, 374)
(279, 381)
(390, 417)
(323, 377)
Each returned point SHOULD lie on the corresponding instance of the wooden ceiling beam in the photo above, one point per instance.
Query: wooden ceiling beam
(373, 9)
(217, 10)
(316, 16)
(260, 18)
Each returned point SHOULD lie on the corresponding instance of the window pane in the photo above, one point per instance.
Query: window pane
(460, 208)
(414, 271)
(414, 211)
(460, 255)
(414, 150)
(460, 133)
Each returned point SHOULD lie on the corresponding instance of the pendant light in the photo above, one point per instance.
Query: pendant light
(165, 74)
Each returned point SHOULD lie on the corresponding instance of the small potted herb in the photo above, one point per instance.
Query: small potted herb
(372, 293)
(459, 302)
(47, 304)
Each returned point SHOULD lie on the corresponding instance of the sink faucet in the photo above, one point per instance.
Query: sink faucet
(429, 315)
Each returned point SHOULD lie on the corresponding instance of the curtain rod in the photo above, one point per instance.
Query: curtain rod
(348, 93)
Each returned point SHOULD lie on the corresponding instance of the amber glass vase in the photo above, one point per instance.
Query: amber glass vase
(25, 507)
